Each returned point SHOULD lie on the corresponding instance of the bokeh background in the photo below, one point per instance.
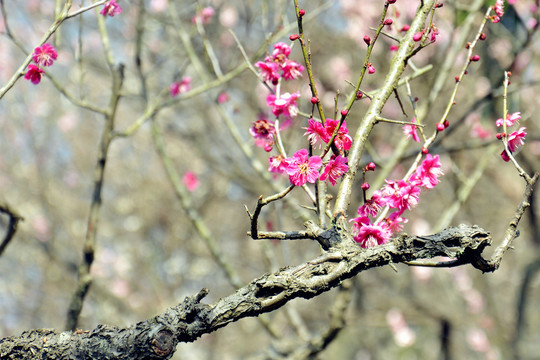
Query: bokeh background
(149, 255)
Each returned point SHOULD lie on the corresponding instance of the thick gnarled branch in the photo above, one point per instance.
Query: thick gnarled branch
(157, 338)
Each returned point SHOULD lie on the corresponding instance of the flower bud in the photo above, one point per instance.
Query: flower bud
(418, 36)
(475, 58)
(365, 186)
(293, 37)
(367, 40)
(301, 12)
(440, 127)
(371, 166)
(388, 22)
(344, 112)
(314, 100)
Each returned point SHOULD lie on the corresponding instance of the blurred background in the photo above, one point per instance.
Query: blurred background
(149, 255)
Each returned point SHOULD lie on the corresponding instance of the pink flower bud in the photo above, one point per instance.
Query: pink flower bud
(440, 127)
(344, 112)
(456, 78)
(314, 100)
(500, 136)
(475, 57)
(425, 150)
(418, 36)
(293, 37)
(446, 123)
(388, 22)
(391, 1)
(405, 28)
(483, 36)
(359, 95)
(370, 68)
(371, 166)
(301, 12)
(365, 186)
(367, 40)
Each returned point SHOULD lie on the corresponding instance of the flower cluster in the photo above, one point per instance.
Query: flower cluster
(498, 8)
(319, 133)
(111, 8)
(396, 197)
(278, 65)
(43, 55)
(513, 140)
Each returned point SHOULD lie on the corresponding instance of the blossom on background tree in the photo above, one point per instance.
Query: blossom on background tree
(111, 8)
(180, 87)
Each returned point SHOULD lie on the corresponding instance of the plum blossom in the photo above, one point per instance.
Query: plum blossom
(190, 181)
(401, 195)
(498, 8)
(278, 164)
(44, 55)
(427, 174)
(34, 74)
(510, 120)
(410, 130)
(279, 65)
(180, 87)
(263, 131)
(316, 132)
(204, 16)
(343, 140)
(303, 168)
(368, 235)
(515, 140)
(284, 105)
(372, 205)
(336, 167)
(111, 8)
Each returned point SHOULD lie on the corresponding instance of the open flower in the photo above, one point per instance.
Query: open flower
(343, 140)
(400, 194)
(410, 130)
(372, 235)
(34, 74)
(427, 174)
(336, 167)
(263, 131)
(111, 8)
(44, 55)
(302, 168)
(316, 133)
(284, 105)
(515, 140)
(510, 120)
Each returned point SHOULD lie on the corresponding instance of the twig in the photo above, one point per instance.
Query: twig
(14, 219)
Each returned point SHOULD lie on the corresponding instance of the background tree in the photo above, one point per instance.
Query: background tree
(133, 140)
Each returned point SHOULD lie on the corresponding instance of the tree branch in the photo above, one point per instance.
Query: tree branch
(157, 337)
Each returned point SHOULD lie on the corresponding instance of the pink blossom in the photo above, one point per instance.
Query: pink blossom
(510, 119)
(410, 130)
(180, 87)
(291, 69)
(190, 181)
(499, 8)
(316, 132)
(281, 51)
(372, 206)
(427, 174)
(263, 131)
(372, 235)
(343, 140)
(480, 132)
(395, 222)
(285, 104)
(204, 16)
(278, 164)
(302, 168)
(34, 74)
(515, 140)
(111, 8)
(371, 68)
(400, 194)
(269, 71)
(336, 167)
(45, 55)
(223, 98)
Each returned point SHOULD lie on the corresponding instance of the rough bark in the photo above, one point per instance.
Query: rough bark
(157, 337)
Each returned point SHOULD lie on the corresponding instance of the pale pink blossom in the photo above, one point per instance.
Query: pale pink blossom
(204, 16)
(44, 55)
(278, 164)
(111, 8)
(510, 120)
(180, 87)
(284, 105)
(291, 69)
(190, 181)
(410, 130)
(336, 167)
(303, 168)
